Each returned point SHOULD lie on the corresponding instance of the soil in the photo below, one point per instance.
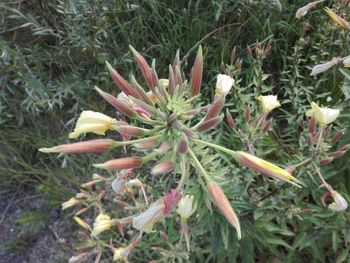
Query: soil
(42, 241)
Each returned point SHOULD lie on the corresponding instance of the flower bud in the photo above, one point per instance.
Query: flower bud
(220, 200)
(209, 124)
(216, 107)
(164, 148)
(130, 130)
(92, 146)
(267, 126)
(146, 145)
(312, 124)
(233, 54)
(229, 118)
(124, 108)
(143, 65)
(337, 136)
(82, 223)
(163, 168)
(337, 154)
(171, 200)
(345, 148)
(182, 146)
(247, 114)
(197, 71)
(71, 202)
(338, 19)
(121, 163)
(326, 160)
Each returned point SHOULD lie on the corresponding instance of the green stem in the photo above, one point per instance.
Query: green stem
(118, 144)
(149, 157)
(183, 173)
(217, 147)
(199, 166)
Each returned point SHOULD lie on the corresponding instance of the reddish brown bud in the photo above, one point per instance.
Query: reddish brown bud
(121, 82)
(337, 136)
(310, 139)
(233, 54)
(182, 146)
(247, 114)
(163, 168)
(124, 108)
(141, 92)
(267, 126)
(337, 154)
(249, 51)
(215, 107)
(312, 123)
(121, 163)
(326, 160)
(229, 118)
(92, 146)
(144, 67)
(196, 78)
(130, 130)
(345, 148)
(209, 124)
(146, 145)
(172, 83)
(189, 133)
(220, 200)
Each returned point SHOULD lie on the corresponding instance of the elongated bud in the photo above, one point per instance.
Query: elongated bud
(130, 130)
(233, 54)
(247, 114)
(146, 145)
(220, 200)
(338, 19)
(172, 83)
(249, 51)
(142, 93)
(310, 139)
(345, 148)
(171, 200)
(108, 97)
(82, 223)
(144, 67)
(121, 82)
(163, 168)
(209, 124)
(312, 124)
(337, 136)
(178, 78)
(182, 146)
(92, 146)
(337, 154)
(215, 108)
(121, 163)
(177, 62)
(229, 118)
(164, 147)
(189, 133)
(124, 108)
(326, 160)
(196, 78)
(267, 126)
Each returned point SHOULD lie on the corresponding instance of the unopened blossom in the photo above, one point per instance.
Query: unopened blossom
(102, 222)
(224, 84)
(266, 168)
(339, 203)
(269, 102)
(322, 115)
(338, 19)
(145, 221)
(90, 121)
(71, 202)
(91, 146)
(81, 222)
(320, 68)
(346, 62)
(164, 83)
(186, 207)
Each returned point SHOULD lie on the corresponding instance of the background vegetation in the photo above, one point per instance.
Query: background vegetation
(53, 53)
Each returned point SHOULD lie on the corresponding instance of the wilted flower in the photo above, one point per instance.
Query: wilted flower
(145, 221)
(305, 9)
(81, 222)
(119, 185)
(186, 207)
(339, 203)
(338, 19)
(269, 102)
(224, 84)
(266, 168)
(90, 121)
(346, 62)
(320, 68)
(79, 258)
(102, 222)
(71, 202)
(322, 115)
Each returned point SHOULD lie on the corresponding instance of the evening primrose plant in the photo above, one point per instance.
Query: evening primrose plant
(169, 129)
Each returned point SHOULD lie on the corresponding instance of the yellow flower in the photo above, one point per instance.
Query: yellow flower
(90, 121)
(346, 62)
(102, 222)
(338, 19)
(164, 83)
(186, 207)
(266, 168)
(224, 84)
(269, 102)
(71, 202)
(322, 115)
(118, 254)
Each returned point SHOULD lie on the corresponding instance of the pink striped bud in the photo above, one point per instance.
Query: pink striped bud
(247, 114)
(177, 62)
(196, 78)
(163, 168)
(229, 118)
(209, 124)
(220, 200)
(144, 67)
(164, 147)
(345, 148)
(92, 146)
(249, 51)
(326, 160)
(267, 126)
(337, 154)
(216, 107)
(121, 163)
(233, 54)
(189, 133)
(130, 130)
(337, 136)
(312, 124)
(171, 200)
(146, 145)
(124, 108)
(182, 146)
(121, 82)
